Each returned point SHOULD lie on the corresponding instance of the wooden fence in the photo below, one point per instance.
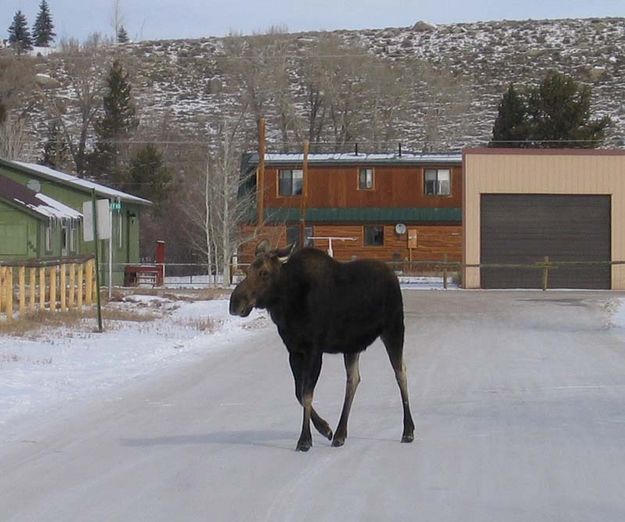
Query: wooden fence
(58, 284)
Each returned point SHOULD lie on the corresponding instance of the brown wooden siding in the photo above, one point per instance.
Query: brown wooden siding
(337, 187)
(434, 243)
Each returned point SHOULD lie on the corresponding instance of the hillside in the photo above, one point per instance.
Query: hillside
(187, 82)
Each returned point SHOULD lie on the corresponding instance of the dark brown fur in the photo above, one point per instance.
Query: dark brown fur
(322, 306)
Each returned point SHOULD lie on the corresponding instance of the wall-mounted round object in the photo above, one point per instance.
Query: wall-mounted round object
(400, 229)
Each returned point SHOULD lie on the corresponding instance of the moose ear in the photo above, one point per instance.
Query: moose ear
(284, 254)
(263, 247)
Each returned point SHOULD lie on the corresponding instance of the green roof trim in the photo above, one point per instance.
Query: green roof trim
(361, 215)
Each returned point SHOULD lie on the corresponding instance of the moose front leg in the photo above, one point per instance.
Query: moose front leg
(311, 368)
(297, 362)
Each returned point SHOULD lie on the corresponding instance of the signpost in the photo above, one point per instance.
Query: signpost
(114, 206)
(96, 226)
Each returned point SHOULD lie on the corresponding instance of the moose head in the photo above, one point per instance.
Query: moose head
(261, 286)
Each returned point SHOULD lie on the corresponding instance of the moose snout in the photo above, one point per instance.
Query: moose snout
(240, 304)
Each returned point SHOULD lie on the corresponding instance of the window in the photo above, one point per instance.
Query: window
(437, 182)
(290, 182)
(365, 179)
(65, 240)
(293, 235)
(374, 235)
(73, 234)
(48, 238)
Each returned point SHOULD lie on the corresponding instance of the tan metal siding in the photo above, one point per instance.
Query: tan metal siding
(543, 173)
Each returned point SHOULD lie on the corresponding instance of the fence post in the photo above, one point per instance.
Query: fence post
(445, 273)
(72, 285)
(42, 288)
(81, 271)
(88, 282)
(94, 286)
(63, 287)
(33, 289)
(53, 274)
(21, 275)
(9, 292)
(546, 273)
(1, 287)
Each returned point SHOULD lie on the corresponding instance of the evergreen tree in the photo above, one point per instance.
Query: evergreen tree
(554, 114)
(149, 177)
(510, 126)
(56, 152)
(115, 127)
(122, 35)
(19, 35)
(559, 111)
(43, 30)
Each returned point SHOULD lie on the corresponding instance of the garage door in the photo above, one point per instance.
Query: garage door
(522, 228)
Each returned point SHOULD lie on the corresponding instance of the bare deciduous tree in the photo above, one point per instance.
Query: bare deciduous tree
(84, 67)
(216, 206)
(261, 67)
(117, 17)
(12, 138)
(441, 97)
(17, 81)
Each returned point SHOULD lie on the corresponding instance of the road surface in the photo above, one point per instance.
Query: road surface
(518, 399)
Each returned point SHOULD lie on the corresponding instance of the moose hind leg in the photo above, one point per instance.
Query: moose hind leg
(394, 343)
(353, 379)
(297, 364)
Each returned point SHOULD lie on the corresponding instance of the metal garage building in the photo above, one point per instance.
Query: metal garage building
(522, 205)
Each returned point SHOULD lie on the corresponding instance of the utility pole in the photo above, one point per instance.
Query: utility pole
(260, 180)
(304, 200)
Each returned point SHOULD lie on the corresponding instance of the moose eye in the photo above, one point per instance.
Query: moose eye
(263, 274)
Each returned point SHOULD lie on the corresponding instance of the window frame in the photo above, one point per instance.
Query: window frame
(437, 182)
(366, 170)
(47, 240)
(367, 236)
(279, 183)
(73, 237)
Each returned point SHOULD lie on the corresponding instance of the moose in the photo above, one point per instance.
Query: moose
(320, 305)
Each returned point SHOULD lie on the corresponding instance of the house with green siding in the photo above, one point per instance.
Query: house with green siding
(41, 216)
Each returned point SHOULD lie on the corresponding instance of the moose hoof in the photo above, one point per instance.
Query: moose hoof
(337, 443)
(409, 437)
(303, 445)
(326, 431)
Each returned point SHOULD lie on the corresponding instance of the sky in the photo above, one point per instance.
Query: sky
(170, 19)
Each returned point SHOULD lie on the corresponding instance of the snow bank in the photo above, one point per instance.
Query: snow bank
(62, 364)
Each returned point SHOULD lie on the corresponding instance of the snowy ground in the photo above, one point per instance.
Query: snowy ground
(48, 367)
(518, 399)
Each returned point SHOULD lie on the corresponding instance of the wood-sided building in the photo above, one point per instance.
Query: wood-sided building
(41, 216)
(392, 207)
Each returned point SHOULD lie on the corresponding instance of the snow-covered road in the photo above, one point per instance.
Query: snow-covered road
(518, 398)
